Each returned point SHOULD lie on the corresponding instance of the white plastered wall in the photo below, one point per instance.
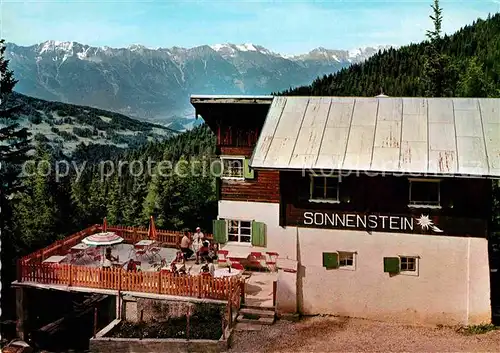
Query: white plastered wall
(452, 285)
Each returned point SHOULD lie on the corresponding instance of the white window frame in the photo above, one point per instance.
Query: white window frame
(239, 242)
(348, 253)
(421, 204)
(240, 158)
(311, 189)
(417, 265)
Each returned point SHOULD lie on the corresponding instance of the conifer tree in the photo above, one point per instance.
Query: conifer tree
(439, 70)
(14, 140)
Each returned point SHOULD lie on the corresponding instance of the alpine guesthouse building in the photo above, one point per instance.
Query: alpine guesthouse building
(378, 207)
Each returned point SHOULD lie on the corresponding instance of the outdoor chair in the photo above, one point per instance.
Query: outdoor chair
(273, 258)
(222, 257)
(77, 256)
(155, 252)
(140, 253)
(256, 260)
(237, 266)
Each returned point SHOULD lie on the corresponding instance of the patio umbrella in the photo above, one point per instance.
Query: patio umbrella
(103, 239)
(105, 225)
(152, 229)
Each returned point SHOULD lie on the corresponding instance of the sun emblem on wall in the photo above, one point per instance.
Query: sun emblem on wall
(425, 223)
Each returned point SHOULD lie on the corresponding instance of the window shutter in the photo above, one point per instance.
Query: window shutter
(217, 167)
(218, 187)
(391, 264)
(258, 234)
(330, 260)
(220, 231)
(248, 173)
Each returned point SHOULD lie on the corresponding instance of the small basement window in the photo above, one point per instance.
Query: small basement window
(232, 168)
(408, 265)
(425, 193)
(347, 260)
(324, 189)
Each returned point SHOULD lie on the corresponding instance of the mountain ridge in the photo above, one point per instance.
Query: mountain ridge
(155, 84)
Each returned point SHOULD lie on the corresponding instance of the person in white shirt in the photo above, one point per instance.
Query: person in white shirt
(198, 237)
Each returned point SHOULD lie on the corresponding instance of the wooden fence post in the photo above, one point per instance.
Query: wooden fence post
(242, 284)
(159, 282)
(199, 286)
(188, 314)
(19, 269)
(95, 321)
(275, 286)
(70, 275)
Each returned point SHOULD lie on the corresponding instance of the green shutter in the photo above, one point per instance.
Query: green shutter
(218, 188)
(248, 173)
(391, 264)
(217, 168)
(330, 260)
(258, 234)
(220, 231)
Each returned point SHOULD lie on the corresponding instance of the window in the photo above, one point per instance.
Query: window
(408, 264)
(425, 193)
(324, 189)
(232, 168)
(239, 231)
(346, 260)
(339, 260)
(405, 265)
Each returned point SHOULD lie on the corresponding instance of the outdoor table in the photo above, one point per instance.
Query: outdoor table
(144, 243)
(79, 247)
(54, 259)
(224, 272)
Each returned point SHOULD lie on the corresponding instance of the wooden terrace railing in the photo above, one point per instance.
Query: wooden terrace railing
(120, 280)
(131, 235)
(32, 269)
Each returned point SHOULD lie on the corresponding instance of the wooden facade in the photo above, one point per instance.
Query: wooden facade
(264, 187)
(381, 203)
(237, 130)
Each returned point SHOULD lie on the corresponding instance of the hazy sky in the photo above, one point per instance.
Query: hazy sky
(287, 27)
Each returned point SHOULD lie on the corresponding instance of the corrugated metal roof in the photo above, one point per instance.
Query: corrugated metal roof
(401, 135)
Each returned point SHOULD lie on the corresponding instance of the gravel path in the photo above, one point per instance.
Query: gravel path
(330, 334)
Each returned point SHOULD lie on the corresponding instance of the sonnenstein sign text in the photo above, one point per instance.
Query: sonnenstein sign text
(358, 221)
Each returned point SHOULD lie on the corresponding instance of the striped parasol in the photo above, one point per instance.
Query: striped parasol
(103, 239)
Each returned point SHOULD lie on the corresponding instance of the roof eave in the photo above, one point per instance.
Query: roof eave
(342, 172)
(230, 99)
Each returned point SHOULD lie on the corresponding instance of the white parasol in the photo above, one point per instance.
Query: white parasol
(103, 239)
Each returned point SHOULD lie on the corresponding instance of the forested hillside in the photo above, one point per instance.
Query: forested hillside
(181, 198)
(69, 128)
(474, 68)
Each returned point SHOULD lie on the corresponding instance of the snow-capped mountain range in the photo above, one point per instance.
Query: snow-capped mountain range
(155, 84)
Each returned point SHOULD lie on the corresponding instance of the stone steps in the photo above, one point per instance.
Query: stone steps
(254, 318)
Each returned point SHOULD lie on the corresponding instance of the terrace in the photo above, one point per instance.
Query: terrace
(68, 264)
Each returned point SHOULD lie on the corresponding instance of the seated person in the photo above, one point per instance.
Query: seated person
(185, 246)
(203, 253)
(179, 257)
(173, 269)
(131, 266)
(211, 267)
(204, 269)
(110, 256)
(212, 252)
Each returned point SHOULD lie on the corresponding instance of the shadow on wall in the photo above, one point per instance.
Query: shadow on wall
(301, 273)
